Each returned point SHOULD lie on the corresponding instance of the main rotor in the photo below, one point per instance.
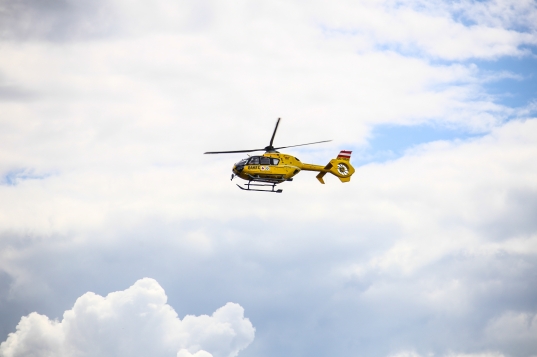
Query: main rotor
(269, 148)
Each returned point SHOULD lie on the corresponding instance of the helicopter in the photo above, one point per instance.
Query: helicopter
(264, 172)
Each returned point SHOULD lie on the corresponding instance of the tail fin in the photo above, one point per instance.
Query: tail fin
(340, 167)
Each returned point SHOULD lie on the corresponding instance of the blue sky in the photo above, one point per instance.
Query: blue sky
(119, 237)
(514, 92)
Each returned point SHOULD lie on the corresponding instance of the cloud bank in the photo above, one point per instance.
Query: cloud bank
(107, 106)
(133, 322)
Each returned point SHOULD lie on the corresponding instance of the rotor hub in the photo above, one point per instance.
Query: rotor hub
(270, 149)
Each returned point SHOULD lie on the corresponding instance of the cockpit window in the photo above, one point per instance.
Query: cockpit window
(242, 162)
(259, 160)
(264, 160)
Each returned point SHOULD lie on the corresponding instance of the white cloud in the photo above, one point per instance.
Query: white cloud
(500, 13)
(133, 322)
(185, 353)
(434, 28)
(405, 354)
(514, 328)
(471, 185)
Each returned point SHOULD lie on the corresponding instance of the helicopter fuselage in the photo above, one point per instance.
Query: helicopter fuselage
(272, 167)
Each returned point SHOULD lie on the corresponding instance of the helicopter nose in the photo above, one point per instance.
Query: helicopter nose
(238, 168)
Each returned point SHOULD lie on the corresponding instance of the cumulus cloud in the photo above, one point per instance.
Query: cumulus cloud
(133, 322)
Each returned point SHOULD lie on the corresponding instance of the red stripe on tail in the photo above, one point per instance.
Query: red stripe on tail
(344, 154)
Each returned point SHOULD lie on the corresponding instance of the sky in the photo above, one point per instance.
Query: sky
(118, 237)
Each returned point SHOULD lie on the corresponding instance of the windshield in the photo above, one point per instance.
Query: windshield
(242, 162)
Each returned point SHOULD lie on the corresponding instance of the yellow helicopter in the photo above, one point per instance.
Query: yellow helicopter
(264, 172)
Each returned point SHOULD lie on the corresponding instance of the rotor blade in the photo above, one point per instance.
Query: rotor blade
(274, 133)
(232, 152)
(292, 146)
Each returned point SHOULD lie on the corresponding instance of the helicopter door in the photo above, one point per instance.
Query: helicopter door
(264, 160)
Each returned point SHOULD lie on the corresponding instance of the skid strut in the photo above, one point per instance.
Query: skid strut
(271, 185)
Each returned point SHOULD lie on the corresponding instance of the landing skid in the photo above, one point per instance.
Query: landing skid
(272, 186)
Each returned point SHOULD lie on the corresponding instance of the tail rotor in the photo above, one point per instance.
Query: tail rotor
(340, 167)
